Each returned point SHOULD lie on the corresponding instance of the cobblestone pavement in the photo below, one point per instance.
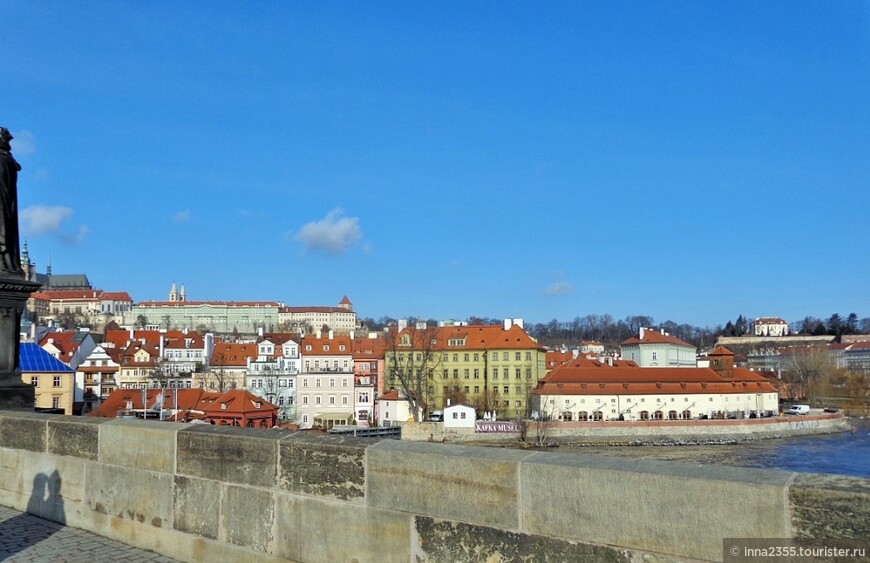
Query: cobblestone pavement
(24, 537)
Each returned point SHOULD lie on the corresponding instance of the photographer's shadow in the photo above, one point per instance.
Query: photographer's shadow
(45, 515)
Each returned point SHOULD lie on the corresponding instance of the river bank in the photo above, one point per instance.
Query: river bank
(659, 432)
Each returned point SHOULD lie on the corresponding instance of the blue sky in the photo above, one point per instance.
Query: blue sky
(688, 161)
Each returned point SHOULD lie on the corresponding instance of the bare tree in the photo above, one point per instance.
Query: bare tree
(411, 360)
(807, 371)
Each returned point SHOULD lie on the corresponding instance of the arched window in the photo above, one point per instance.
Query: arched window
(672, 415)
(582, 415)
(644, 415)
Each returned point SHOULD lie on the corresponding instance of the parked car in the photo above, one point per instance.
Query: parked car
(799, 409)
(436, 416)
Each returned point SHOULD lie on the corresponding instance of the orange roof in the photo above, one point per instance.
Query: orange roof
(368, 348)
(232, 354)
(116, 296)
(202, 303)
(326, 346)
(239, 401)
(651, 336)
(344, 301)
(185, 399)
(473, 337)
(634, 380)
(721, 351)
(313, 309)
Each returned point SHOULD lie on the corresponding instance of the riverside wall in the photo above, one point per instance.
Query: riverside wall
(204, 493)
(624, 432)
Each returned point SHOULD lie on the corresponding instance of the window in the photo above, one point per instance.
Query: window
(476, 373)
(495, 373)
(528, 356)
(56, 381)
(317, 382)
(466, 356)
(332, 382)
(477, 389)
(456, 374)
(466, 389)
(444, 374)
(505, 356)
(518, 356)
(465, 373)
(331, 400)
(55, 402)
(518, 373)
(34, 380)
(344, 382)
(304, 382)
(455, 357)
(476, 357)
(506, 390)
(317, 400)
(654, 355)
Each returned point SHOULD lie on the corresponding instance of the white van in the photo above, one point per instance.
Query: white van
(436, 416)
(799, 409)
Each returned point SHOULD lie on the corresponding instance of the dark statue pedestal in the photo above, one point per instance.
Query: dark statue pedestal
(14, 393)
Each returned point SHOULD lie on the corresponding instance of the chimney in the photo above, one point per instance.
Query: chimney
(662, 331)
(507, 324)
(331, 334)
(317, 333)
(641, 333)
(519, 323)
(260, 331)
(351, 335)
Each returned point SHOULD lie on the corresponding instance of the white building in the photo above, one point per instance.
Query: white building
(341, 319)
(656, 348)
(393, 408)
(325, 389)
(630, 393)
(272, 374)
(459, 416)
(769, 326)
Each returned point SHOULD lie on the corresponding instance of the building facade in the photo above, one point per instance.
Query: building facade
(656, 349)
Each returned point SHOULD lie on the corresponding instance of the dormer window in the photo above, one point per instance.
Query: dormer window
(326, 347)
(257, 405)
(341, 347)
(223, 406)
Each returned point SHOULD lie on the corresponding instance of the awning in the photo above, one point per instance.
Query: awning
(333, 416)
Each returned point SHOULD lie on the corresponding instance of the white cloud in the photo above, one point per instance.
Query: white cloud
(23, 143)
(43, 219)
(559, 288)
(181, 216)
(333, 234)
(76, 237)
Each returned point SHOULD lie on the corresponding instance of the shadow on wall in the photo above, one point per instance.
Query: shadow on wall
(25, 530)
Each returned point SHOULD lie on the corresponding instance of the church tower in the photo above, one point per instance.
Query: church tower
(173, 294)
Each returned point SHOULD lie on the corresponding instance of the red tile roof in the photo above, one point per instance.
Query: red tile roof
(634, 380)
(652, 336)
(232, 354)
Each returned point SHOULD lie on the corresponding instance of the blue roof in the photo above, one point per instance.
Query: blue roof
(35, 359)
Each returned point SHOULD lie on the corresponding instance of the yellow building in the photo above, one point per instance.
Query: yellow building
(490, 367)
(54, 381)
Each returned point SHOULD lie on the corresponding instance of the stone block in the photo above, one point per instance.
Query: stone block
(245, 456)
(327, 466)
(440, 540)
(11, 484)
(830, 506)
(24, 430)
(314, 529)
(53, 484)
(74, 436)
(247, 516)
(467, 483)
(132, 494)
(154, 444)
(197, 506)
(665, 507)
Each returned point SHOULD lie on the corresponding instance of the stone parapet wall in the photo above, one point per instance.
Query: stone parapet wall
(203, 493)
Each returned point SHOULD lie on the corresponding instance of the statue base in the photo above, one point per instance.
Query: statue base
(14, 292)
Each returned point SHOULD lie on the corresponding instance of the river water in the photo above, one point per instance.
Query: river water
(845, 453)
